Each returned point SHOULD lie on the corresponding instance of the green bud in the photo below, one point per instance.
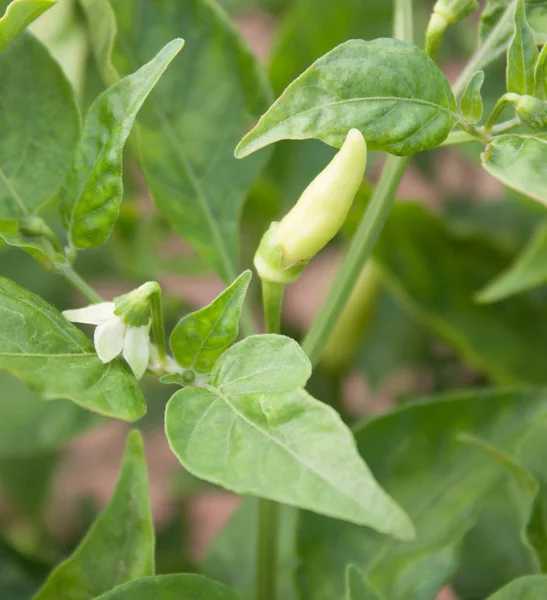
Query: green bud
(316, 218)
(133, 308)
(455, 10)
(532, 111)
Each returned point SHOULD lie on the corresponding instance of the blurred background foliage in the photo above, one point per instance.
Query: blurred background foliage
(423, 331)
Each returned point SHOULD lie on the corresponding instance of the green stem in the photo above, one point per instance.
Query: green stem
(268, 528)
(360, 249)
(498, 109)
(459, 137)
(403, 20)
(82, 286)
(266, 566)
(272, 297)
(486, 52)
(158, 327)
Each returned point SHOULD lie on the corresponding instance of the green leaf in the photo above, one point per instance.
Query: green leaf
(528, 271)
(232, 556)
(471, 102)
(486, 566)
(194, 119)
(436, 274)
(171, 587)
(255, 431)
(519, 162)
(358, 587)
(39, 123)
(119, 547)
(93, 189)
(540, 75)
(533, 587)
(40, 347)
(200, 338)
(30, 426)
(40, 248)
(390, 90)
(19, 14)
(522, 55)
(417, 453)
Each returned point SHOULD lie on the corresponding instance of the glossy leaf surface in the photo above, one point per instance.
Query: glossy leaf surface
(388, 89)
(526, 588)
(171, 587)
(200, 338)
(306, 455)
(519, 162)
(18, 15)
(119, 547)
(93, 189)
(194, 119)
(40, 347)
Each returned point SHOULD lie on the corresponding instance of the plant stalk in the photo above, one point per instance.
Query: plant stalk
(158, 326)
(80, 284)
(268, 525)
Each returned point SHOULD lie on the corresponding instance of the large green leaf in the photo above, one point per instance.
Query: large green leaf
(485, 566)
(171, 587)
(437, 273)
(40, 347)
(533, 587)
(39, 123)
(194, 119)
(254, 430)
(199, 339)
(528, 270)
(519, 162)
(390, 90)
(18, 15)
(120, 545)
(93, 189)
(418, 454)
(231, 558)
(522, 55)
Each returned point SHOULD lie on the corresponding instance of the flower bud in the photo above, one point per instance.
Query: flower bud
(316, 218)
(532, 111)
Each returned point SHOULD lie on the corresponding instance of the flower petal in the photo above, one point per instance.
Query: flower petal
(109, 339)
(136, 349)
(96, 314)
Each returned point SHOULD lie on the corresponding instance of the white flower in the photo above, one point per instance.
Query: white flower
(112, 336)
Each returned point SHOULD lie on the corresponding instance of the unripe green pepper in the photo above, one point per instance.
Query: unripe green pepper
(316, 218)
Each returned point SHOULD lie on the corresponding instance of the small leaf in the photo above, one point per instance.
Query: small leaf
(471, 102)
(39, 124)
(519, 162)
(522, 55)
(254, 430)
(39, 248)
(531, 587)
(171, 587)
(200, 338)
(119, 547)
(92, 192)
(19, 14)
(540, 75)
(528, 271)
(390, 90)
(358, 587)
(40, 347)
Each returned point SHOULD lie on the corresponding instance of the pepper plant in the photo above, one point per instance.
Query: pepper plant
(104, 102)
